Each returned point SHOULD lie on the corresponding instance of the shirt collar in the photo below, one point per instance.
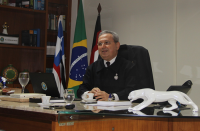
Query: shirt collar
(115, 66)
(111, 61)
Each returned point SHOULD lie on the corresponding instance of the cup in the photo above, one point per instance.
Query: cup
(89, 95)
(68, 96)
(45, 99)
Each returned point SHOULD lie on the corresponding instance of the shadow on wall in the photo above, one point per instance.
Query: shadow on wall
(189, 72)
(159, 75)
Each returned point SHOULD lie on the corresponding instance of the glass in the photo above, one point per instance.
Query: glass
(23, 79)
(68, 96)
(153, 111)
(106, 43)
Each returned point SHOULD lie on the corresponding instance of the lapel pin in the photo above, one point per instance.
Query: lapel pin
(116, 77)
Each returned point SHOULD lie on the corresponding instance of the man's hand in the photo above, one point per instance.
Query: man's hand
(101, 96)
(95, 90)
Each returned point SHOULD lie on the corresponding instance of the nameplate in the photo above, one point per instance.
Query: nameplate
(66, 124)
(9, 39)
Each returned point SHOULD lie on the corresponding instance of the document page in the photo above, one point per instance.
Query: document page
(114, 103)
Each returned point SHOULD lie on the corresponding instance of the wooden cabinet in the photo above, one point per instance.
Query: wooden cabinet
(60, 7)
(29, 58)
(23, 57)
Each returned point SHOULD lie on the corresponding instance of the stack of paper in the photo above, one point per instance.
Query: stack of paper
(114, 103)
(113, 108)
(27, 95)
(57, 101)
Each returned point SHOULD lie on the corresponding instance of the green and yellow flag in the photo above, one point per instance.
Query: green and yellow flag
(79, 60)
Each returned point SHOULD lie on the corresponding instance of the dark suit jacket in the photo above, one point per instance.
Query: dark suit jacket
(97, 75)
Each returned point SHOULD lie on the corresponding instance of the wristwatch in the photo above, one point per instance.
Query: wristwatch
(112, 96)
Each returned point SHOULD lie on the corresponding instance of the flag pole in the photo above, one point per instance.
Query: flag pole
(99, 8)
(79, 60)
(94, 51)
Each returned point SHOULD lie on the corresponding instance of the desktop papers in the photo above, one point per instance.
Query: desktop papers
(27, 95)
(113, 108)
(57, 101)
(114, 103)
(110, 105)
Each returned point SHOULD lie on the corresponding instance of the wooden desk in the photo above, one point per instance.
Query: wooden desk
(29, 117)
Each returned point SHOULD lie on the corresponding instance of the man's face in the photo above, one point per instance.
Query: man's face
(107, 51)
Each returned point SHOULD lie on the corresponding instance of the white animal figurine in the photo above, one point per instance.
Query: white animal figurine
(171, 112)
(149, 96)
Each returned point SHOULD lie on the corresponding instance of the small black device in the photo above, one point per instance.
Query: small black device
(70, 106)
(53, 107)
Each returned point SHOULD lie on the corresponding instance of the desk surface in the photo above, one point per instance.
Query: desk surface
(31, 117)
(80, 108)
(25, 107)
(151, 111)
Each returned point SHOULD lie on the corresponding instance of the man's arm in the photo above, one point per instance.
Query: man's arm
(87, 83)
(87, 86)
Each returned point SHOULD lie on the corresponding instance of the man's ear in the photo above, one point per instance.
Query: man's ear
(118, 45)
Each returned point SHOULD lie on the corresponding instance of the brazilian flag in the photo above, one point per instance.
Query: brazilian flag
(79, 60)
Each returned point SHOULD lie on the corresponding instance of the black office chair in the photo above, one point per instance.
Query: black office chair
(185, 88)
(140, 56)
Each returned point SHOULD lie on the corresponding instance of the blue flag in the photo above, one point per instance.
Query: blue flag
(59, 60)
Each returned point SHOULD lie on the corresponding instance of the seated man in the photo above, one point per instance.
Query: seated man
(116, 79)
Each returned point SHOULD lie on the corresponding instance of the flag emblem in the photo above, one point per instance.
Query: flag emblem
(59, 60)
(79, 60)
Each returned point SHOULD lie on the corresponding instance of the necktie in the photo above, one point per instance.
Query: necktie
(108, 64)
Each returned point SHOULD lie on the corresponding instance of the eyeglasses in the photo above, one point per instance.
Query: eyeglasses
(105, 43)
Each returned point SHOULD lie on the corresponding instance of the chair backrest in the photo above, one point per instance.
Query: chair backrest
(140, 56)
